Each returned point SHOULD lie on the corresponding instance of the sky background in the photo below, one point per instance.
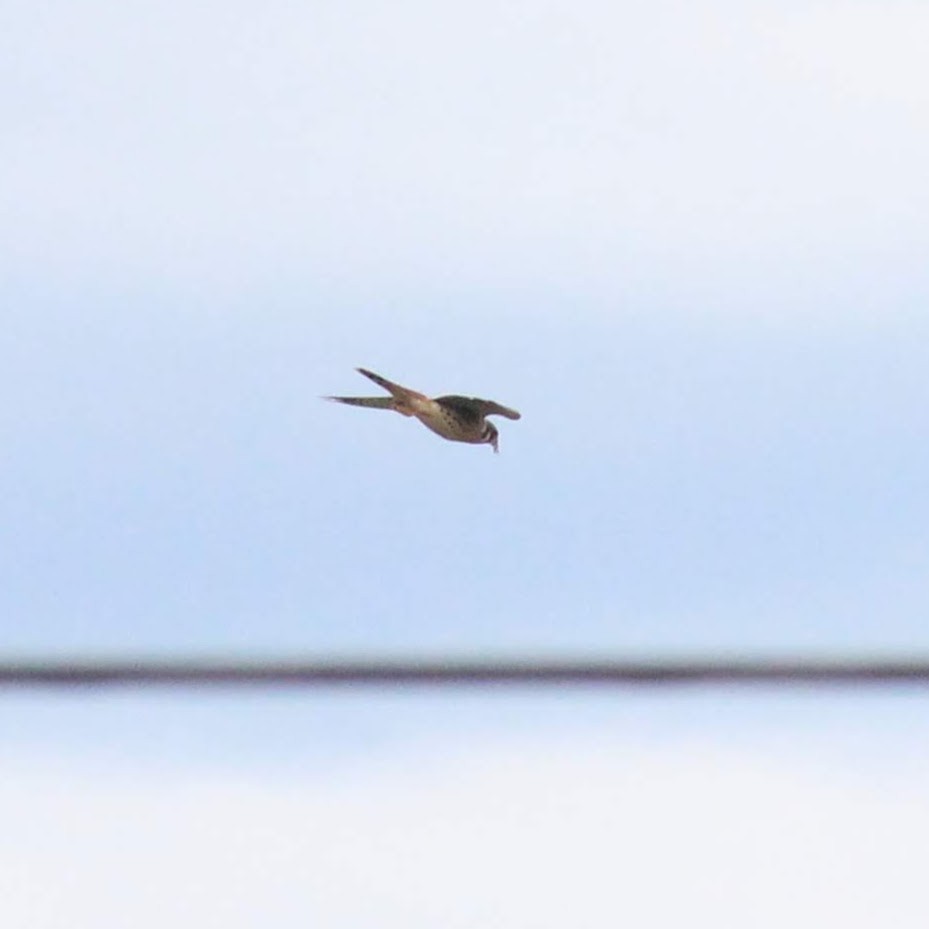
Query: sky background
(687, 241)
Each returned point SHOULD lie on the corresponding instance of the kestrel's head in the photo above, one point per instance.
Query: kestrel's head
(489, 435)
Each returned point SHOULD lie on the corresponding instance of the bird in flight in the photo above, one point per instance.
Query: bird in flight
(460, 419)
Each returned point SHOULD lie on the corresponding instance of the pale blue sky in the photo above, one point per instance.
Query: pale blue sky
(687, 241)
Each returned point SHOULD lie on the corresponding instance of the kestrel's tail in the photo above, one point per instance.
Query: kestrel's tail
(378, 403)
(401, 399)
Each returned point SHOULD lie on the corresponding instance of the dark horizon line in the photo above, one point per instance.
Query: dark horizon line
(459, 672)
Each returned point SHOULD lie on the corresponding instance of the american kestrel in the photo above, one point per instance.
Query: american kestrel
(460, 419)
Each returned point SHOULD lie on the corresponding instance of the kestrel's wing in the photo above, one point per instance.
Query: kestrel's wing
(379, 403)
(492, 408)
(395, 389)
